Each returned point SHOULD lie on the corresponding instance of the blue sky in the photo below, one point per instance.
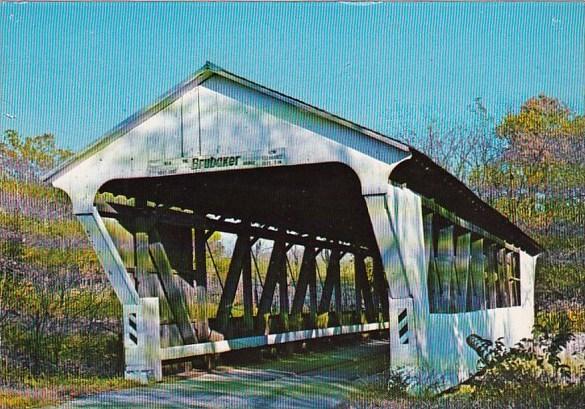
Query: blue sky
(76, 70)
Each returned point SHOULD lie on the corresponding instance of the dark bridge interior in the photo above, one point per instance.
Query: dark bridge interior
(161, 227)
(313, 200)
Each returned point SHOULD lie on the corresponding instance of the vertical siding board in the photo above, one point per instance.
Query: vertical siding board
(491, 276)
(477, 293)
(433, 279)
(502, 285)
(445, 263)
(462, 260)
(190, 124)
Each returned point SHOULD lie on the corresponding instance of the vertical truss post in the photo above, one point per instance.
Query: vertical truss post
(358, 290)
(477, 293)
(332, 284)
(307, 280)
(275, 265)
(337, 289)
(510, 283)
(433, 277)
(491, 277)
(516, 277)
(363, 289)
(247, 287)
(502, 285)
(202, 319)
(142, 259)
(313, 289)
(446, 267)
(283, 292)
(462, 260)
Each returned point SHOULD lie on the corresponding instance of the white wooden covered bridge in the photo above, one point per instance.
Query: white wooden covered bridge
(432, 263)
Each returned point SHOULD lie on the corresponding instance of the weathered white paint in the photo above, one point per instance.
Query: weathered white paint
(217, 347)
(109, 257)
(442, 357)
(397, 221)
(142, 353)
(220, 117)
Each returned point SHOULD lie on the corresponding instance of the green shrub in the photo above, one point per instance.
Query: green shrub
(532, 370)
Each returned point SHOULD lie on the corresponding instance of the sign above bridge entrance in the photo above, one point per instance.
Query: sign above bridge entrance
(206, 163)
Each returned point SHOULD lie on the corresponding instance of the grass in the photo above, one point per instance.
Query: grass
(57, 389)
(23, 399)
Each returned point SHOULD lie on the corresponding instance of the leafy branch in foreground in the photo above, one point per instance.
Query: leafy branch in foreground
(536, 361)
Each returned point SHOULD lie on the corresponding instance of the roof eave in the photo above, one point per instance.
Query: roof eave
(123, 127)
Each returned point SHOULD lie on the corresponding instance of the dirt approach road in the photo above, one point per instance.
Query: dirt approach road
(311, 379)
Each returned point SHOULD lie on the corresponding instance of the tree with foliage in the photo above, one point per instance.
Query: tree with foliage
(541, 174)
(544, 132)
(462, 148)
(530, 166)
(27, 158)
(539, 183)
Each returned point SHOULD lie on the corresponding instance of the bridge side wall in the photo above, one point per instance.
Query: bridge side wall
(433, 345)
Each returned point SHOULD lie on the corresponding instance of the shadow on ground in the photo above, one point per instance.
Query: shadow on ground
(320, 379)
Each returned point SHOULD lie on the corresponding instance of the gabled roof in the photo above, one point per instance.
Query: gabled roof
(420, 173)
(207, 71)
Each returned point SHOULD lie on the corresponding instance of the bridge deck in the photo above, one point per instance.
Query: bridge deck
(308, 380)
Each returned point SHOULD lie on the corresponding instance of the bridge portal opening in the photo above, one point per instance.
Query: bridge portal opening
(297, 251)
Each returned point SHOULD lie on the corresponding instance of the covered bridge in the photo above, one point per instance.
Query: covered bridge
(430, 261)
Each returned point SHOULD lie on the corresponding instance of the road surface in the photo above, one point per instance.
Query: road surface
(316, 379)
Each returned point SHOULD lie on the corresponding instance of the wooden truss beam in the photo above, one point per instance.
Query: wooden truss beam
(363, 290)
(332, 285)
(127, 214)
(241, 249)
(476, 289)
(307, 280)
(275, 266)
(173, 293)
(200, 247)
